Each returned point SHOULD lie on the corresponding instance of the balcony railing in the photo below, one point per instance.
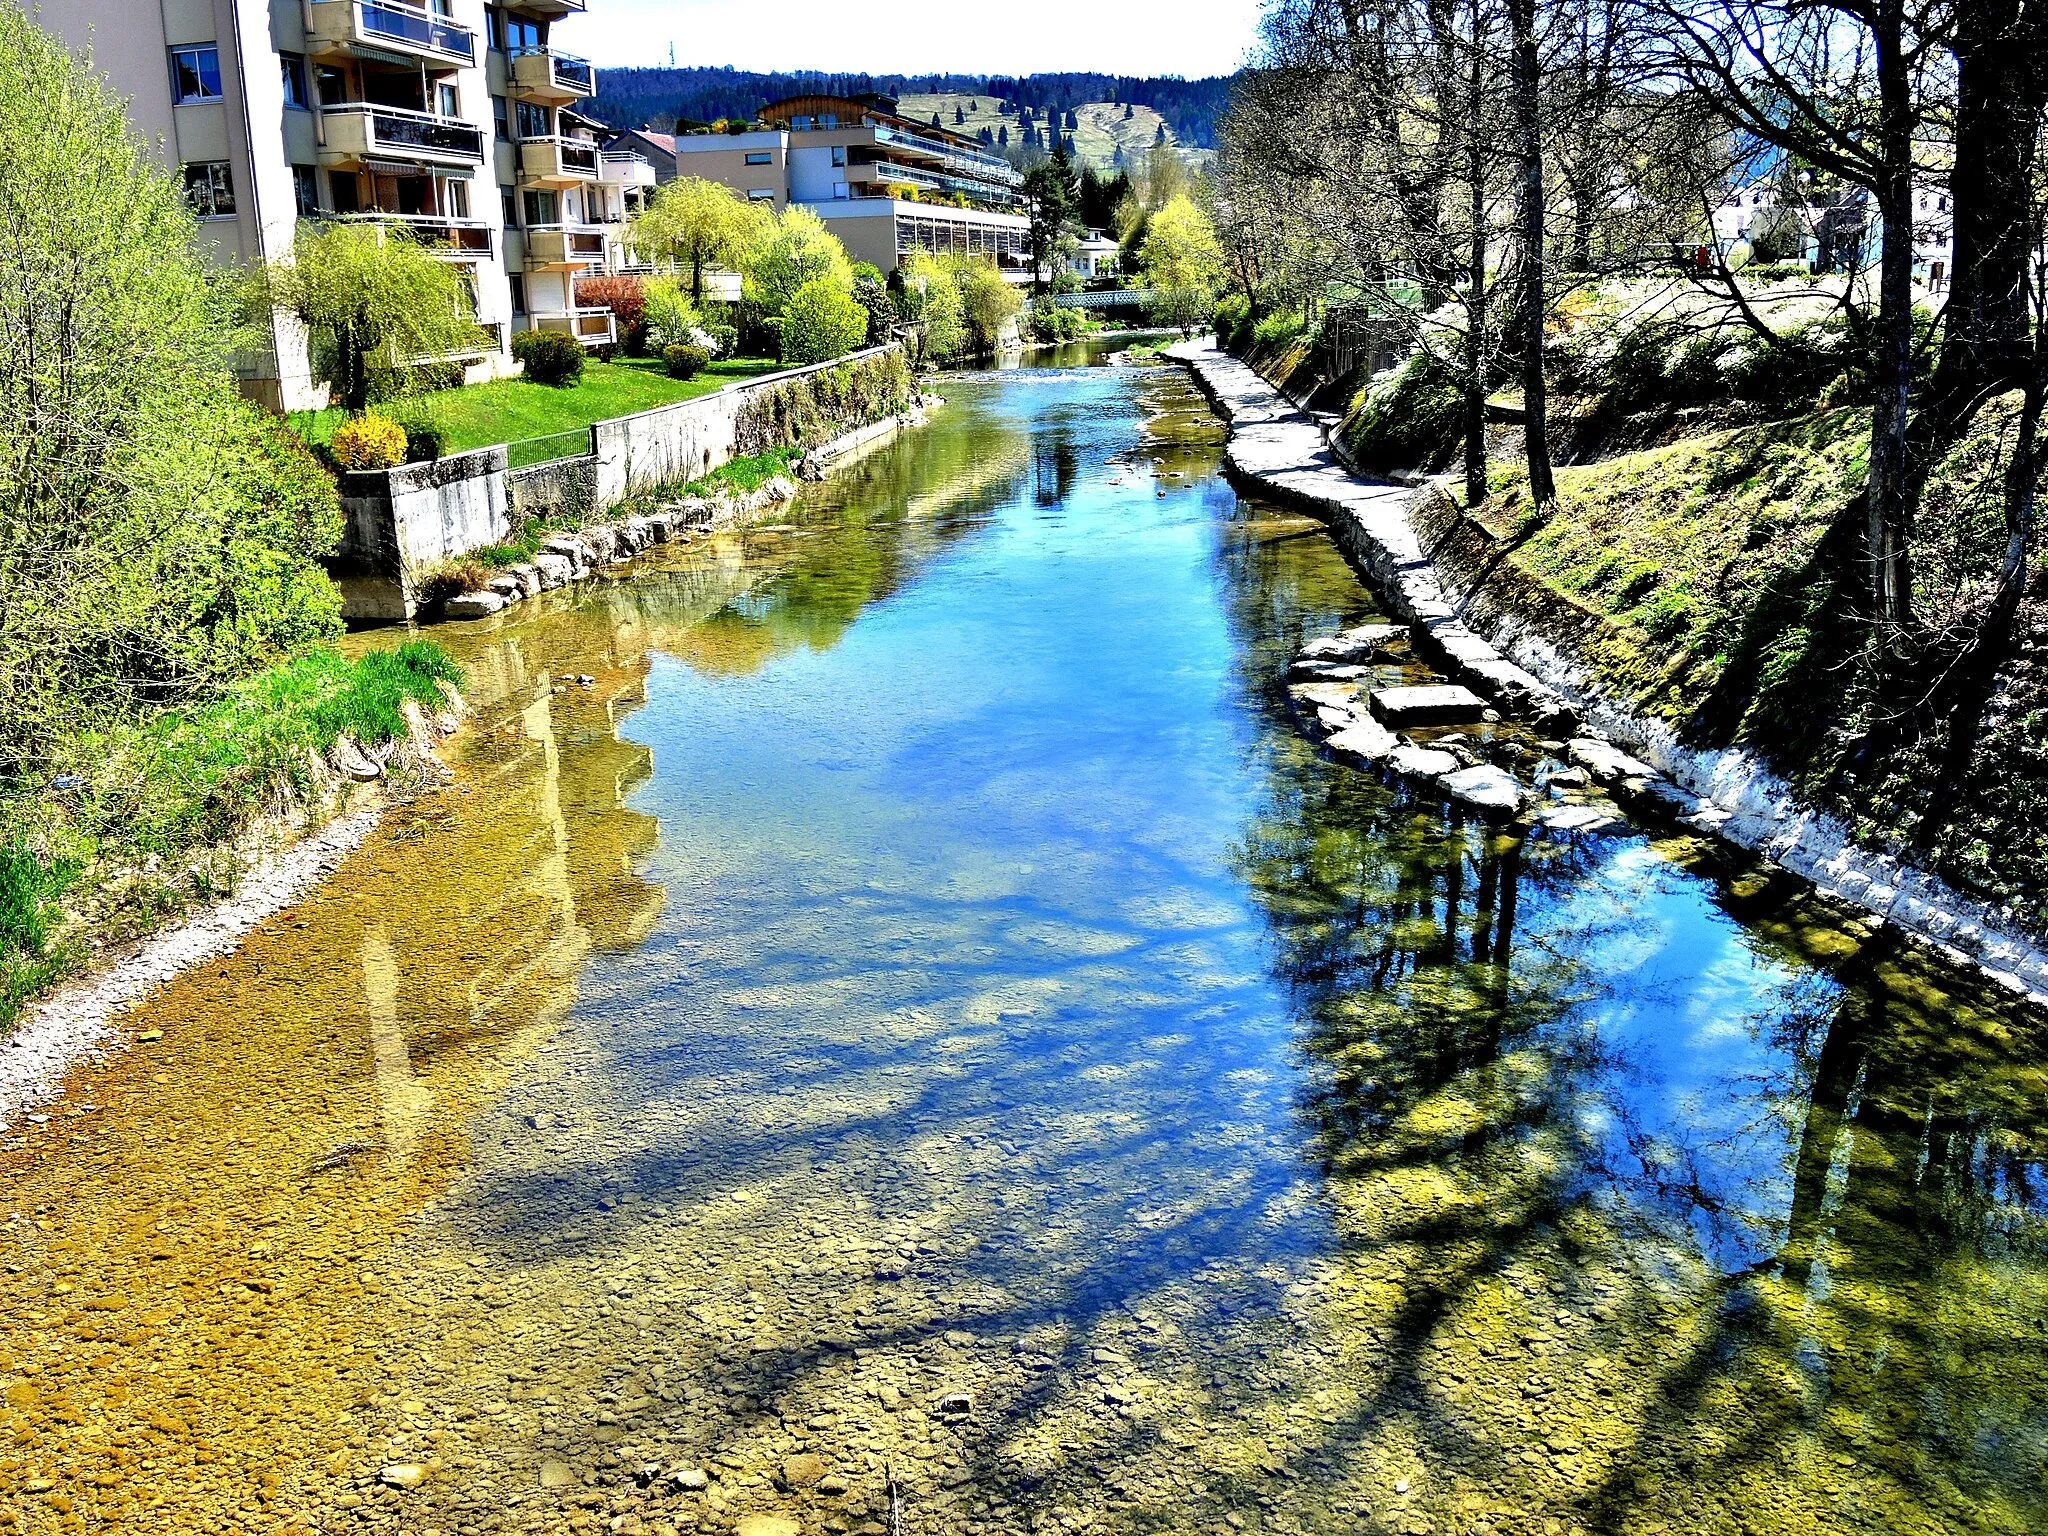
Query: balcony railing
(356, 129)
(985, 167)
(544, 70)
(391, 23)
(456, 239)
(627, 168)
(592, 327)
(555, 158)
(555, 245)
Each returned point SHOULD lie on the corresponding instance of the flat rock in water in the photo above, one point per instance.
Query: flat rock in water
(1413, 762)
(1427, 704)
(1329, 671)
(1335, 695)
(803, 1471)
(1487, 789)
(557, 1474)
(1366, 739)
(1579, 818)
(1333, 719)
(1605, 761)
(1353, 644)
(473, 605)
(352, 761)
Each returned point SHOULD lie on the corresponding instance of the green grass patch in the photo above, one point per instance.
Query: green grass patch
(746, 474)
(135, 818)
(516, 410)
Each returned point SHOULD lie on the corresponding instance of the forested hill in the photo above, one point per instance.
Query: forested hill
(637, 98)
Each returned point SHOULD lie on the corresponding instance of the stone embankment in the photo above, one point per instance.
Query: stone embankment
(1725, 793)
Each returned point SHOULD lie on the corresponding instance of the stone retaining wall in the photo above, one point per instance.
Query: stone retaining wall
(399, 521)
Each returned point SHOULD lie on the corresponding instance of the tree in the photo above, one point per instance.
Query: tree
(699, 224)
(1051, 197)
(1182, 263)
(1533, 210)
(988, 303)
(157, 534)
(372, 299)
(821, 322)
(794, 250)
(931, 302)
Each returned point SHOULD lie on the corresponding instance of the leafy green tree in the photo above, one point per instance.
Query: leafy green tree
(700, 225)
(1182, 262)
(372, 298)
(821, 322)
(931, 302)
(157, 534)
(871, 293)
(988, 303)
(797, 249)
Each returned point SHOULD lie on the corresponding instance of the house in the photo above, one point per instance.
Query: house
(455, 120)
(1097, 256)
(886, 185)
(1833, 231)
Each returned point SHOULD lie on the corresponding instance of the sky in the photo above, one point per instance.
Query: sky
(1126, 37)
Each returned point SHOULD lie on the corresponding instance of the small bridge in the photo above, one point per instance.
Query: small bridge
(1107, 298)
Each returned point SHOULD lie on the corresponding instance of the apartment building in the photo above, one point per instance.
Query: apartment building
(886, 185)
(455, 120)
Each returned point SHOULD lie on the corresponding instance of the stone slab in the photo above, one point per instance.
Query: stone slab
(474, 605)
(1425, 763)
(1333, 695)
(1366, 740)
(1427, 704)
(1489, 790)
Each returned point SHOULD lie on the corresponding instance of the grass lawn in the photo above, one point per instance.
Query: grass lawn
(509, 410)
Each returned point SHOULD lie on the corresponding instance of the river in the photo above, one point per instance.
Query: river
(921, 1040)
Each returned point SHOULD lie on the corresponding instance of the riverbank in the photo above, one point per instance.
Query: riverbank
(1398, 536)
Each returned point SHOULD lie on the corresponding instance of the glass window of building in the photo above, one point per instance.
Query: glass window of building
(306, 191)
(195, 74)
(210, 189)
(293, 68)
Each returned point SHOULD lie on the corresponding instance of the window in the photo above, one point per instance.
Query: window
(195, 74)
(533, 121)
(501, 114)
(446, 101)
(494, 27)
(829, 120)
(518, 293)
(760, 157)
(540, 209)
(508, 202)
(209, 189)
(522, 36)
(294, 70)
(761, 194)
(306, 190)
(457, 193)
(839, 157)
(333, 84)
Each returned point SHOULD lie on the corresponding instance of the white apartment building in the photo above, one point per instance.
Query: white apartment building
(455, 119)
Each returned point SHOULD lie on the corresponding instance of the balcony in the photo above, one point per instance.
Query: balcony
(451, 239)
(552, 9)
(359, 131)
(556, 161)
(384, 26)
(564, 245)
(592, 327)
(625, 169)
(541, 74)
(989, 168)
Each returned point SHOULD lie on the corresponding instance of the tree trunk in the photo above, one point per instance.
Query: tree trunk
(1888, 490)
(1476, 488)
(1529, 134)
(2001, 51)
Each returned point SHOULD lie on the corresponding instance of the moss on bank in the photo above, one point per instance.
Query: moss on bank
(136, 819)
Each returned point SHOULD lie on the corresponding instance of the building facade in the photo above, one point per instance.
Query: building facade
(885, 185)
(455, 120)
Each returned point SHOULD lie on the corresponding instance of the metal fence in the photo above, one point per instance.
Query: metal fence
(528, 451)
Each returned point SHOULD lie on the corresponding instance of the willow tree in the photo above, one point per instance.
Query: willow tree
(372, 299)
(699, 225)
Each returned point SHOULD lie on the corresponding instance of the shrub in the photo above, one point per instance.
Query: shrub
(1277, 330)
(821, 322)
(1233, 321)
(872, 295)
(424, 440)
(1410, 417)
(725, 339)
(1052, 323)
(624, 295)
(672, 320)
(368, 441)
(931, 300)
(551, 357)
(685, 361)
(988, 303)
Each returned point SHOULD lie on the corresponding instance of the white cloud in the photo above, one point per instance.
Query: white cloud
(1131, 37)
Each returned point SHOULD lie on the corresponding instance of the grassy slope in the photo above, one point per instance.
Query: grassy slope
(507, 410)
(1101, 133)
(146, 828)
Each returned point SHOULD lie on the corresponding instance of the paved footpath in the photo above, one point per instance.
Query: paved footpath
(1280, 448)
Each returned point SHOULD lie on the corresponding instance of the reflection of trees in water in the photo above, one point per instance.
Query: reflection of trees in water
(1470, 1119)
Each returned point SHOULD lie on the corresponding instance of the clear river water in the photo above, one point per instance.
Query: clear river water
(922, 1042)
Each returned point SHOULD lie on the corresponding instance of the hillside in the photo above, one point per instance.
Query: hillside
(633, 98)
(1106, 133)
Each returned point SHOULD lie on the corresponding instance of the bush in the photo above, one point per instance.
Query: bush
(368, 441)
(1278, 330)
(725, 339)
(988, 303)
(672, 320)
(872, 295)
(1410, 417)
(551, 357)
(624, 295)
(1053, 323)
(685, 361)
(822, 322)
(424, 440)
(1233, 321)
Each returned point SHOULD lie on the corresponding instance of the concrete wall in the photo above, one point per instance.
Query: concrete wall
(401, 520)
